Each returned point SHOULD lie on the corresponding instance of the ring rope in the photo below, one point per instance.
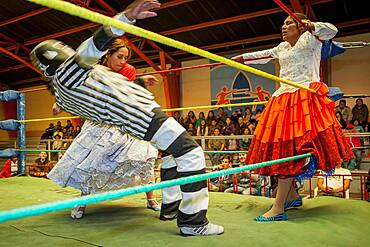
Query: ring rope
(62, 150)
(165, 110)
(196, 66)
(81, 12)
(111, 195)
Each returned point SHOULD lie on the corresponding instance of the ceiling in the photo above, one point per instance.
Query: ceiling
(219, 26)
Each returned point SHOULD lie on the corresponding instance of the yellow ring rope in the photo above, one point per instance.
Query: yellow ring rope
(165, 110)
(81, 12)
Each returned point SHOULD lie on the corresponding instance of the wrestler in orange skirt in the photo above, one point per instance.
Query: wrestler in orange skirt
(297, 123)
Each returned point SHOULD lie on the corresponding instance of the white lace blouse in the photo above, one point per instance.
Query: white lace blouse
(299, 63)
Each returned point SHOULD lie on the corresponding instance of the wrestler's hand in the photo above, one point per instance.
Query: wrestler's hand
(308, 26)
(149, 80)
(56, 109)
(238, 58)
(141, 9)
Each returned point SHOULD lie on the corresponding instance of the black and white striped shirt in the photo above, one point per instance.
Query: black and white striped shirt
(99, 94)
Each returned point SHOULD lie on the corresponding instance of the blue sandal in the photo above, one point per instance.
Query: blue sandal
(279, 217)
(294, 203)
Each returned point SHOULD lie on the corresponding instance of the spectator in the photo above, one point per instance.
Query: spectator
(224, 183)
(68, 125)
(210, 117)
(232, 144)
(247, 115)
(355, 142)
(240, 127)
(191, 130)
(339, 116)
(257, 116)
(69, 132)
(234, 116)
(228, 128)
(49, 131)
(212, 127)
(202, 130)
(245, 141)
(221, 117)
(76, 131)
(41, 166)
(334, 185)
(10, 168)
(200, 118)
(178, 118)
(360, 112)
(190, 119)
(59, 126)
(57, 145)
(247, 183)
(345, 110)
(58, 131)
(216, 145)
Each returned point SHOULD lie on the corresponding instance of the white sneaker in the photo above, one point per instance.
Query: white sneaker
(207, 230)
(78, 212)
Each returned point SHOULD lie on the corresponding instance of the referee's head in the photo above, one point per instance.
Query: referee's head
(49, 55)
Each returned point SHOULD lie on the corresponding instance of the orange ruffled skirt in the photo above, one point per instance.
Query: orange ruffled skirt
(298, 123)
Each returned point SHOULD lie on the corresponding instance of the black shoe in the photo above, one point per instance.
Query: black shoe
(168, 217)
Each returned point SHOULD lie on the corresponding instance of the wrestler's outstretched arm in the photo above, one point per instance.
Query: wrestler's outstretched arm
(91, 50)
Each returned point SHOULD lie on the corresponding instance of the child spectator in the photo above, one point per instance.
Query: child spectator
(344, 110)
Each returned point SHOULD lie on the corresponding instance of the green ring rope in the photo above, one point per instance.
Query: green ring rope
(83, 13)
(111, 195)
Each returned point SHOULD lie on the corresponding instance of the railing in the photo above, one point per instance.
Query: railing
(364, 195)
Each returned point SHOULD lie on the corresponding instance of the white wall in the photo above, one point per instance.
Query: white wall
(351, 70)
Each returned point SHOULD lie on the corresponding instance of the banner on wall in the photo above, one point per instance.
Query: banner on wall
(230, 85)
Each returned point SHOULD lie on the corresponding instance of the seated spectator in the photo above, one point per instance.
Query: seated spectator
(257, 116)
(246, 183)
(41, 166)
(355, 142)
(210, 118)
(360, 112)
(177, 117)
(334, 185)
(212, 127)
(59, 126)
(339, 116)
(69, 132)
(191, 130)
(76, 131)
(221, 117)
(223, 183)
(216, 145)
(57, 145)
(49, 131)
(228, 128)
(232, 144)
(344, 110)
(200, 118)
(10, 168)
(58, 131)
(240, 126)
(190, 119)
(68, 125)
(245, 141)
(247, 115)
(202, 129)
